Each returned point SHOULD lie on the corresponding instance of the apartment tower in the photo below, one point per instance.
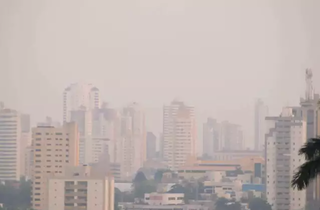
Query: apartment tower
(10, 137)
(54, 150)
(179, 134)
(260, 113)
(132, 152)
(285, 136)
(79, 95)
(211, 138)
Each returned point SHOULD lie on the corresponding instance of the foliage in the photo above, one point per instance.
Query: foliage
(117, 198)
(225, 204)
(159, 174)
(311, 168)
(141, 188)
(191, 190)
(259, 204)
(140, 177)
(16, 195)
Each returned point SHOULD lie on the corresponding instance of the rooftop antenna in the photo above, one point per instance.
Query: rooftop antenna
(309, 86)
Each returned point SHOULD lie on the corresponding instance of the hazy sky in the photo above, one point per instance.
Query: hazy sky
(218, 55)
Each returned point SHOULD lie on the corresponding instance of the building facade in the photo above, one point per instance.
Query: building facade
(211, 140)
(10, 145)
(179, 134)
(164, 198)
(151, 145)
(260, 113)
(231, 136)
(79, 95)
(81, 188)
(285, 136)
(54, 149)
(132, 152)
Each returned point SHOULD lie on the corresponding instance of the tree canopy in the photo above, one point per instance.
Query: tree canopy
(14, 195)
(311, 168)
(140, 177)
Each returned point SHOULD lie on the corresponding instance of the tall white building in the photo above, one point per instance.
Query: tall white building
(285, 136)
(132, 152)
(260, 113)
(211, 140)
(79, 95)
(10, 147)
(179, 134)
(99, 132)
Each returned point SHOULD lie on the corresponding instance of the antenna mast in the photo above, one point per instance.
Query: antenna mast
(309, 85)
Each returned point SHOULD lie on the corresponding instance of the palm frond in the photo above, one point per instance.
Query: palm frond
(306, 173)
(311, 149)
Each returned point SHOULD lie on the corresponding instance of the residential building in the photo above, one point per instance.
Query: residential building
(83, 118)
(260, 113)
(164, 198)
(132, 152)
(25, 144)
(285, 136)
(28, 163)
(231, 136)
(81, 188)
(211, 142)
(161, 145)
(79, 95)
(54, 149)
(25, 123)
(309, 109)
(179, 134)
(100, 130)
(10, 145)
(106, 132)
(151, 145)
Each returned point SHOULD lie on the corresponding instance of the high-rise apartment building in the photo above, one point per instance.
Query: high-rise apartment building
(79, 95)
(25, 144)
(231, 136)
(10, 145)
(81, 188)
(132, 152)
(211, 139)
(151, 145)
(25, 123)
(260, 113)
(179, 134)
(54, 149)
(106, 132)
(99, 131)
(285, 136)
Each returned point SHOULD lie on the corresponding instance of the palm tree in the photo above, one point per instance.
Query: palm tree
(311, 168)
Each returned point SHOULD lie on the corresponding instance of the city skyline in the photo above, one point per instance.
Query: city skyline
(136, 67)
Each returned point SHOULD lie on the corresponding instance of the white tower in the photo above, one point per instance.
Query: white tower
(79, 95)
